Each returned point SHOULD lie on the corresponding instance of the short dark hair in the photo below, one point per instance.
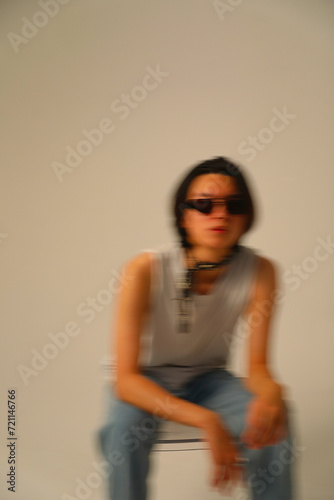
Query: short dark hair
(216, 165)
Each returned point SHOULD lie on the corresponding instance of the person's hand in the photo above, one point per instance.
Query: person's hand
(227, 462)
(265, 422)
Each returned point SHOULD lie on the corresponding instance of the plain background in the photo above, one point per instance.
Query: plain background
(228, 67)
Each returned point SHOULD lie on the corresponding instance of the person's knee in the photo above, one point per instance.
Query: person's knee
(128, 429)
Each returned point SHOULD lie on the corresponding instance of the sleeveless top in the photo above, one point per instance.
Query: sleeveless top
(178, 357)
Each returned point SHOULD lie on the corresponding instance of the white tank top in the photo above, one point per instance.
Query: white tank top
(177, 357)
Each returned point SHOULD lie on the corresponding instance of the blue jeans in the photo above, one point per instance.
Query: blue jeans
(129, 433)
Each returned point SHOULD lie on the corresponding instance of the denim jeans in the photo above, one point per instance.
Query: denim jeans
(128, 434)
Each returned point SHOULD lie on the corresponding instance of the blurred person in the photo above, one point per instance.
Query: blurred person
(174, 324)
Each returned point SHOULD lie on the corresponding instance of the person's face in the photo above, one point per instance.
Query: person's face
(219, 229)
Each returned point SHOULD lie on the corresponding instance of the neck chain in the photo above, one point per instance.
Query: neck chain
(185, 285)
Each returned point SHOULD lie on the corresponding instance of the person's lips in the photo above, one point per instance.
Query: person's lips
(219, 229)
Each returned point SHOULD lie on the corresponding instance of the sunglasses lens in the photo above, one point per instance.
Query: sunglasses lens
(237, 206)
(203, 205)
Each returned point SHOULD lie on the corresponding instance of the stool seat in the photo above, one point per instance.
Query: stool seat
(174, 436)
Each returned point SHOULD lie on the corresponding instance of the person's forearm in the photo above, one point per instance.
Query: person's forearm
(140, 391)
(261, 382)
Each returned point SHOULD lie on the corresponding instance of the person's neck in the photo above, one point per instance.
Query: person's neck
(207, 255)
(206, 276)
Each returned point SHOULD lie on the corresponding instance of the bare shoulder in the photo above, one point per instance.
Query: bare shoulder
(140, 263)
(265, 283)
(138, 269)
(266, 275)
(136, 283)
(267, 266)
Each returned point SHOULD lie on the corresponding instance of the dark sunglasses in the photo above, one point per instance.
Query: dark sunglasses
(234, 206)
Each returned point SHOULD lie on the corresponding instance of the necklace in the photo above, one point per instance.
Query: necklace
(185, 285)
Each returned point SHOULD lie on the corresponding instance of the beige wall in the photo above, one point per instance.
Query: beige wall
(205, 78)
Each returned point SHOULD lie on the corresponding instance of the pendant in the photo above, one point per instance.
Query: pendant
(184, 315)
(184, 302)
